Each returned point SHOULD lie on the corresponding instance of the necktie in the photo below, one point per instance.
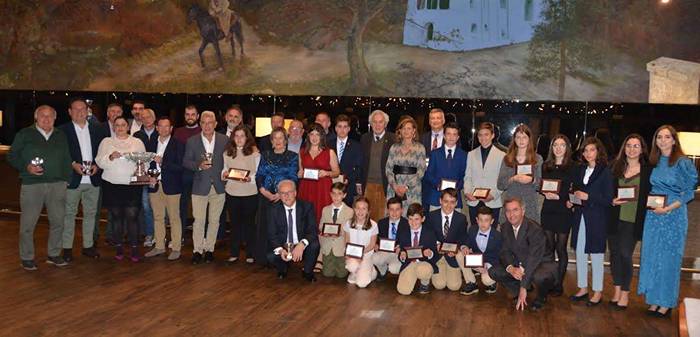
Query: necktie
(376, 138)
(335, 215)
(435, 143)
(290, 226)
(446, 227)
(449, 154)
(393, 230)
(415, 239)
(484, 235)
(341, 149)
(515, 232)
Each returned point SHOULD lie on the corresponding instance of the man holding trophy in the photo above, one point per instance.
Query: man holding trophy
(40, 154)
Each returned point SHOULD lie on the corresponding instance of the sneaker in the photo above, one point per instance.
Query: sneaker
(119, 254)
(250, 260)
(424, 289)
(174, 255)
(352, 278)
(56, 261)
(148, 241)
(232, 259)
(91, 252)
(491, 289)
(154, 252)
(29, 265)
(469, 289)
(196, 258)
(68, 254)
(209, 257)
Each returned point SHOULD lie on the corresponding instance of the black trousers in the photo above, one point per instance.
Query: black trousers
(544, 279)
(622, 246)
(309, 259)
(241, 211)
(125, 218)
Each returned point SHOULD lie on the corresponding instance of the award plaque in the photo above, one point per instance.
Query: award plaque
(330, 229)
(237, 174)
(339, 179)
(414, 253)
(386, 245)
(474, 260)
(524, 169)
(354, 251)
(575, 200)
(481, 193)
(311, 174)
(550, 186)
(627, 193)
(448, 248)
(446, 183)
(656, 201)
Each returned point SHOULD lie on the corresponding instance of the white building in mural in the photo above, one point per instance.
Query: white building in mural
(459, 25)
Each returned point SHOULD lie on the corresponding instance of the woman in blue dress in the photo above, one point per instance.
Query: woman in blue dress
(665, 228)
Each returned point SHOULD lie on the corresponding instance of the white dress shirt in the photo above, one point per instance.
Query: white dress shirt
(295, 236)
(442, 222)
(208, 146)
(440, 135)
(482, 240)
(338, 142)
(83, 135)
(160, 150)
(450, 148)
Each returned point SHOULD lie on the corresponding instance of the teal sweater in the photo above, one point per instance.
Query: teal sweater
(29, 143)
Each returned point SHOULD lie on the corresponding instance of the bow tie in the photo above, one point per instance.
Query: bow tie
(482, 234)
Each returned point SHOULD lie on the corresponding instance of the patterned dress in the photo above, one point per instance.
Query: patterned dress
(413, 158)
(663, 239)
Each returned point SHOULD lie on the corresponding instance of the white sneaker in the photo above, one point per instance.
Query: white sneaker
(249, 260)
(352, 279)
(148, 241)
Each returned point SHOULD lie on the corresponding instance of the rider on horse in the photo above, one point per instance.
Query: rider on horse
(224, 16)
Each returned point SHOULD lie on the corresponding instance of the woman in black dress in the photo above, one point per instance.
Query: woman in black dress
(556, 217)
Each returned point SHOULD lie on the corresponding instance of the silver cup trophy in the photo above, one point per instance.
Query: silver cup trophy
(288, 246)
(86, 167)
(38, 161)
(140, 176)
(207, 156)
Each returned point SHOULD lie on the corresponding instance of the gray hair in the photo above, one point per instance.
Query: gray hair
(43, 107)
(149, 112)
(207, 113)
(287, 181)
(384, 114)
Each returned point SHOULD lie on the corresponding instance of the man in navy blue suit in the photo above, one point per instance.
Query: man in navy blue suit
(446, 168)
(483, 239)
(432, 140)
(349, 158)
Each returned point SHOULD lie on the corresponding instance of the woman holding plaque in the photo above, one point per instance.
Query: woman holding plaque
(673, 182)
(275, 165)
(405, 165)
(556, 217)
(521, 172)
(122, 200)
(318, 165)
(631, 172)
(361, 231)
(593, 185)
(241, 160)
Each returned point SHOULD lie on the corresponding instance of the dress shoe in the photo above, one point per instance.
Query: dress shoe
(590, 303)
(538, 304)
(556, 291)
(579, 298)
(91, 252)
(618, 307)
(174, 255)
(492, 288)
(658, 314)
(209, 257)
(310, 277)
(68, 254)
(469, 289)
(424, 289)
(196, 258)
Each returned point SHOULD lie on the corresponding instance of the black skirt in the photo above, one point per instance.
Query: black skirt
(118, 195)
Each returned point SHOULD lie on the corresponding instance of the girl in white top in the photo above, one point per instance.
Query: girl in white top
(361, 230)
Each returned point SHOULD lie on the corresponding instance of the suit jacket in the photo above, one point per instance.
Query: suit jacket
(264, 143)
(427, 240)
(350, 166)
(106, 131)
(528, 249)
(644, 189)
(151, 143)
(440, 168)
(171, 168)
(366, 143)
(456, 234)
(383, 226)
(484, 176)
(204, 179)
(427, 140)
(595, 210)
(493, 245)
(329, 244)
(96, 136)
(305, 224)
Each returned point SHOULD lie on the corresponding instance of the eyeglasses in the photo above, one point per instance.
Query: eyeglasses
(286, 193)
(633, 146)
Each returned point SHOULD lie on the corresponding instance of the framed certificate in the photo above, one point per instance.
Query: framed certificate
(550, 186)
(448, 248)
(627, 193)
(311, 174)
(574, 199)
(656, 200)
(386, 245)
(474, 260)
(237, 174)
(330, 229)
(481, 193)
(446, 183)
(414, 253)
(524, 169)
(354, 251)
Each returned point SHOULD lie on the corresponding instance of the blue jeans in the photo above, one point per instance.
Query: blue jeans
(146, 213)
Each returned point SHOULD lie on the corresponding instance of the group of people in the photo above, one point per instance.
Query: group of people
(360, 210)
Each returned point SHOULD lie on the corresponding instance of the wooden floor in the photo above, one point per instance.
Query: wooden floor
(160, 298)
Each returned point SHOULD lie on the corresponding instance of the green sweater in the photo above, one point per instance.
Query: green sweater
(30, 143)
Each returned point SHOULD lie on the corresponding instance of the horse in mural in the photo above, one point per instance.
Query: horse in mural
(210, 33)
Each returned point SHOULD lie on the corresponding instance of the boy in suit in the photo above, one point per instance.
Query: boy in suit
(420, 269)
(447, 163)
(450, 227)
(483, 166)
(486, 240)
(333, 247)
(349, 158)
(389, 228)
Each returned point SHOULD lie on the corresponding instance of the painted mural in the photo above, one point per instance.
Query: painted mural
(573, 50)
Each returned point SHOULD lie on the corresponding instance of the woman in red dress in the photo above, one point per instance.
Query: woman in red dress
(318, 165)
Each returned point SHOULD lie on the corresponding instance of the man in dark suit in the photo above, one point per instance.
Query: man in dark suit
(524, 259)
(375, 150)
(485, 240)
(449, 227)
(324, 119)
(422, 268)
(447, 165)
(389, 228)
(166, 190)
(83, 141)
(233, 117)
(292, 231)
(114, 110)
(264, 142)
(349, 158)
(432, 139)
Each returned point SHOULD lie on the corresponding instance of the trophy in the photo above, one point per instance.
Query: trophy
(140, 176)
(207, 157)
(86, 167)
(288, 246)
(38, 161)
(153, 173)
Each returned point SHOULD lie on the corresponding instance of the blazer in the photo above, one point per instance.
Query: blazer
(595, 210)
(383, 226)
(456, 234)
(96, 136)
(440, 168)
(170, 168)
(484, 176)
(336, 245)
(305, 226)
(264, 143)
(493, 245)
(427, 240)
(366, 143)
(350, 166)
(527, 249)
(427, 140)
(204, 179)
(642, 192)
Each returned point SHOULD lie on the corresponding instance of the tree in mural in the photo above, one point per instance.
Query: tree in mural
(561, 45)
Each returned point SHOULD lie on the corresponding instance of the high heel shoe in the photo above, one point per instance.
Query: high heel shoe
(667, 314)
(580, 298)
